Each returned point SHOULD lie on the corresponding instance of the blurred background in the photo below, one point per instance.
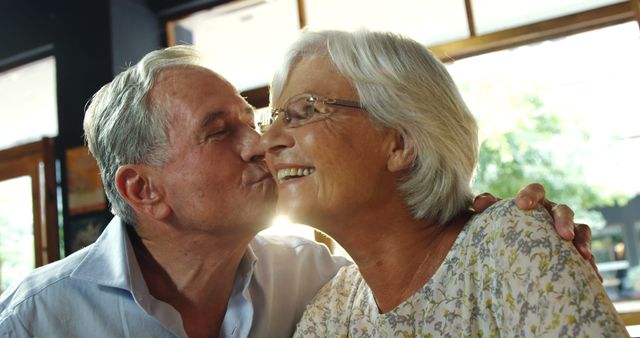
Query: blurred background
(553, 83)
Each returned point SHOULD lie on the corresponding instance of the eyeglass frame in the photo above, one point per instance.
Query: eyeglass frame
(275, 112)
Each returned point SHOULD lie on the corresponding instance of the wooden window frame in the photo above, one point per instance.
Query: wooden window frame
(37, 160)
(539, 31)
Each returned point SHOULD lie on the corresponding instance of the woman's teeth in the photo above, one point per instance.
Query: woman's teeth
(284, 174)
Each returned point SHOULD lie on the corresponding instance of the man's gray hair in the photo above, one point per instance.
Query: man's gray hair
(404, 87)
(122, 126)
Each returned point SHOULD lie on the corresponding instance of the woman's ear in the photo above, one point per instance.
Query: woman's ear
(402, 153)
(136, 185)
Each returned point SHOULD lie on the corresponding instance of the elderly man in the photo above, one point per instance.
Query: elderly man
(182, 168)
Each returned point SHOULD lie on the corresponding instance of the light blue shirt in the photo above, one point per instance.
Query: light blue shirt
(100, 292)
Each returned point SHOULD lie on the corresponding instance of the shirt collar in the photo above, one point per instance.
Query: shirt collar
(112, 262)
(250, 259)
(111, 259)
(240, 311)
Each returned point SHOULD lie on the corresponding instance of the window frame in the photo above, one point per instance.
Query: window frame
(37, 161)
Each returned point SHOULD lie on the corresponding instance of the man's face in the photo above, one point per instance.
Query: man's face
(215, 179)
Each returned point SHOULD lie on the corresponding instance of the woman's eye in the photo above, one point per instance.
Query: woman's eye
(302, 114)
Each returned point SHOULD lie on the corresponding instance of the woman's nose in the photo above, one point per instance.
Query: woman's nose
(276, 138)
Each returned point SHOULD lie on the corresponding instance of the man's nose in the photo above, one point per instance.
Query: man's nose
(252, 150)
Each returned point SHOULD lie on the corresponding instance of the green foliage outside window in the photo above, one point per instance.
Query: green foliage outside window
(542, 147)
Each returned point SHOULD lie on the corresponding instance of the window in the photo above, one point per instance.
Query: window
(244, 40)
(16, 227)
(427, 21)
(490, 15)
(28, 110)
(565, 113)
(28, 210)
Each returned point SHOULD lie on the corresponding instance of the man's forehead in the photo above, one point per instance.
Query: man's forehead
(192, 85)
(200, 92)
(176, 75)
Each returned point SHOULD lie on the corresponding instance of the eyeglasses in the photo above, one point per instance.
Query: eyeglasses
(306, 108)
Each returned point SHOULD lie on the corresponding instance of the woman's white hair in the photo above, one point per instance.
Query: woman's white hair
(404, 87)
(122, 126)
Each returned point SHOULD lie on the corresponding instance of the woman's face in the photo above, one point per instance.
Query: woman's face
(332, 168)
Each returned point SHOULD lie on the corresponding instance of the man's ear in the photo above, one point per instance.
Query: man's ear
(402, 153)
(136, 185)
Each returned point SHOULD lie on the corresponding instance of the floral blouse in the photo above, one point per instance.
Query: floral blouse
(508, 274)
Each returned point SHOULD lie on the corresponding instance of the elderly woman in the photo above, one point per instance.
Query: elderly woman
(373, 144)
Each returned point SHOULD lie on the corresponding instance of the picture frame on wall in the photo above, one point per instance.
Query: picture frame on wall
(85, 190)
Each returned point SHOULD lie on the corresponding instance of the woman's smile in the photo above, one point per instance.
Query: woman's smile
(293, 173)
